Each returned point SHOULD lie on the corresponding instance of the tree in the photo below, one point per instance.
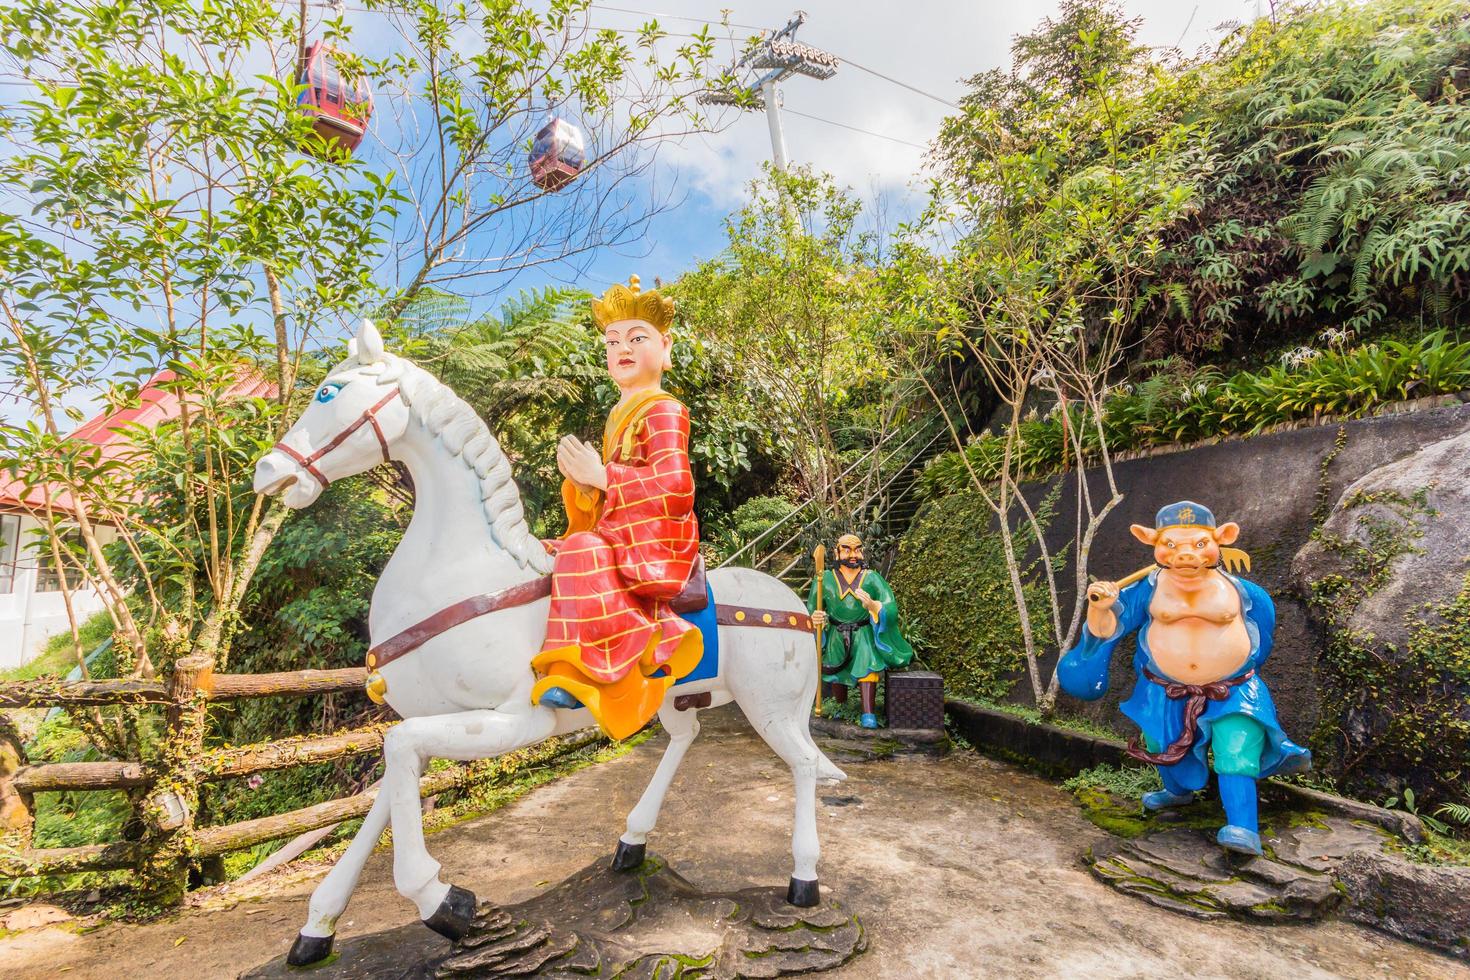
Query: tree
(171, 215)
(463, 95)
(793, 301)
(178, 227)
(173, 224)
(1055, 205)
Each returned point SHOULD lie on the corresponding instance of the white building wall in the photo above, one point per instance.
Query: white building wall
(29, 618)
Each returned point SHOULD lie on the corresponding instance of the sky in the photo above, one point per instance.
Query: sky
(927, 44)
(925, 47)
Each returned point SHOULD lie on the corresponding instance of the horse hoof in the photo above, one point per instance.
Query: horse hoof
(307, 950)
(803, 894)
(455, 915)
(628, 857)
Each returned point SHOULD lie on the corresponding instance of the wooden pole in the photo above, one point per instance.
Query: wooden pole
(226, 687)
(15, 810)
(221, 763)
(61, 777)
(248, 833)
(819, 559)
(34, 694)
(288, 684)
(286, 753)
(170, 808)
(65, 860)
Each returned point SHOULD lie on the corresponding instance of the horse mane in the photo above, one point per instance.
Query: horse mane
(455, 424)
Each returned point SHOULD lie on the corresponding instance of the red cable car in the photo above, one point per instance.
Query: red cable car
(557, 155)
(340, 109)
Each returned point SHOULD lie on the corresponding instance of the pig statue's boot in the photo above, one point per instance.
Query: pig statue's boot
(1241, 831)
(1162, 799)
(1173, 794)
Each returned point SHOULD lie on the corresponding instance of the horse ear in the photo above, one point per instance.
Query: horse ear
(369, 345)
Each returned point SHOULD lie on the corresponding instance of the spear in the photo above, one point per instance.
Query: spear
(819, 558)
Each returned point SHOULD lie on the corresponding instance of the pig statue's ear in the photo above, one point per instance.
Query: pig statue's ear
(1227, 533)
(1147, 535)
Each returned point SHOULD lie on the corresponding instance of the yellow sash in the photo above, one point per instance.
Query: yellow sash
(584, 507)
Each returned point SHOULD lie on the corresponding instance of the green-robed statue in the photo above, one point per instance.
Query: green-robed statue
(862, 639)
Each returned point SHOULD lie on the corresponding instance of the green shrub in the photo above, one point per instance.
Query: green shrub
(1130, 782)
(1323, 152)
(746, 523)
(955, 596)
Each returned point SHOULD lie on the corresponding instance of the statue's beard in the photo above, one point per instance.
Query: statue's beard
(852, 563)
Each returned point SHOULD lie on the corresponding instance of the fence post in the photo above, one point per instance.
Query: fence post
(15, 810)
(169, 810)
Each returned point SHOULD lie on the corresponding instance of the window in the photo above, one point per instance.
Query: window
(47, 578)
(9, 541)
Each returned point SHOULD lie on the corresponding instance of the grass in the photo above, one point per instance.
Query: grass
(1109, 798)
(74, 818)
(1438, 849)
(1130, 782)
(57, 658)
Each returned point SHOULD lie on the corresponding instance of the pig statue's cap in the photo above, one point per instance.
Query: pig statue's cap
(1186, 513)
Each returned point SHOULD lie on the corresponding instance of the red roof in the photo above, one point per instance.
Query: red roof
(109, 430)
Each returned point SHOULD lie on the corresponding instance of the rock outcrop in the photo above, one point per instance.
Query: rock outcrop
(1386, 581)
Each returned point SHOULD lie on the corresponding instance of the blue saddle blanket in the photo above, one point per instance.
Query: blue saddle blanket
(704, 619)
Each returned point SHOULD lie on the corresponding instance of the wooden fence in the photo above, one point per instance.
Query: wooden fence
(170, 839)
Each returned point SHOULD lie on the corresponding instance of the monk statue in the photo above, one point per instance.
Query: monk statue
(613, 643)
(863, 638)
(1203, 636)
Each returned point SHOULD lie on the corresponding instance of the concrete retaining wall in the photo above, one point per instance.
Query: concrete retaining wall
(1270, 485)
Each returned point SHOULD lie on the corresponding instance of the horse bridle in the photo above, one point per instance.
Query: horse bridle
(369, 417)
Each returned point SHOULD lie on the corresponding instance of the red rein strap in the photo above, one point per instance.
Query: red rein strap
(409, 640)
(459, 613)
(369, 417)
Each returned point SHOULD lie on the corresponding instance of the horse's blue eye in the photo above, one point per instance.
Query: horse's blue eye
(328, 392)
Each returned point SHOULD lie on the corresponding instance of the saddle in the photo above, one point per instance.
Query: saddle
(694, 596)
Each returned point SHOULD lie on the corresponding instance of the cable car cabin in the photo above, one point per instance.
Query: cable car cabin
(557, 155)
(340, 109)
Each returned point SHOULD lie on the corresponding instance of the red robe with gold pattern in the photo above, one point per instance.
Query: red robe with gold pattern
(626, 555)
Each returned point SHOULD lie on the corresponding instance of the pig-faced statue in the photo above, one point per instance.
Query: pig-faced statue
(1203, 636)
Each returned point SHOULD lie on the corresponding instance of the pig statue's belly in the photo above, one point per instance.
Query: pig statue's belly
(1199, 642)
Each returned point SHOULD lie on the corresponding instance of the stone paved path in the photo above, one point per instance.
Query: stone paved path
(960, 867)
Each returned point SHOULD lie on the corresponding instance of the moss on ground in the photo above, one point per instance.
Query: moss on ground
(1110, 799)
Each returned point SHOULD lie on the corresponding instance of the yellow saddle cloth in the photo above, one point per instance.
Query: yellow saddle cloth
(623, 706)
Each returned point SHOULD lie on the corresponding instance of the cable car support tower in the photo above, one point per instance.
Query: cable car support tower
(780, 56)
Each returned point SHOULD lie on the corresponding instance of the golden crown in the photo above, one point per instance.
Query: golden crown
(629, 303)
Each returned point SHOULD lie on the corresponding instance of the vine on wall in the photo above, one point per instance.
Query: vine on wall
(956, 599)
(1392, 718)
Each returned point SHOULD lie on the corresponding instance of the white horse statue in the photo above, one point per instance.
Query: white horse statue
(463, 686)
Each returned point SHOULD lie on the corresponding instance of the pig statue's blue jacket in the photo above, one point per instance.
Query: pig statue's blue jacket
(1083, 673)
